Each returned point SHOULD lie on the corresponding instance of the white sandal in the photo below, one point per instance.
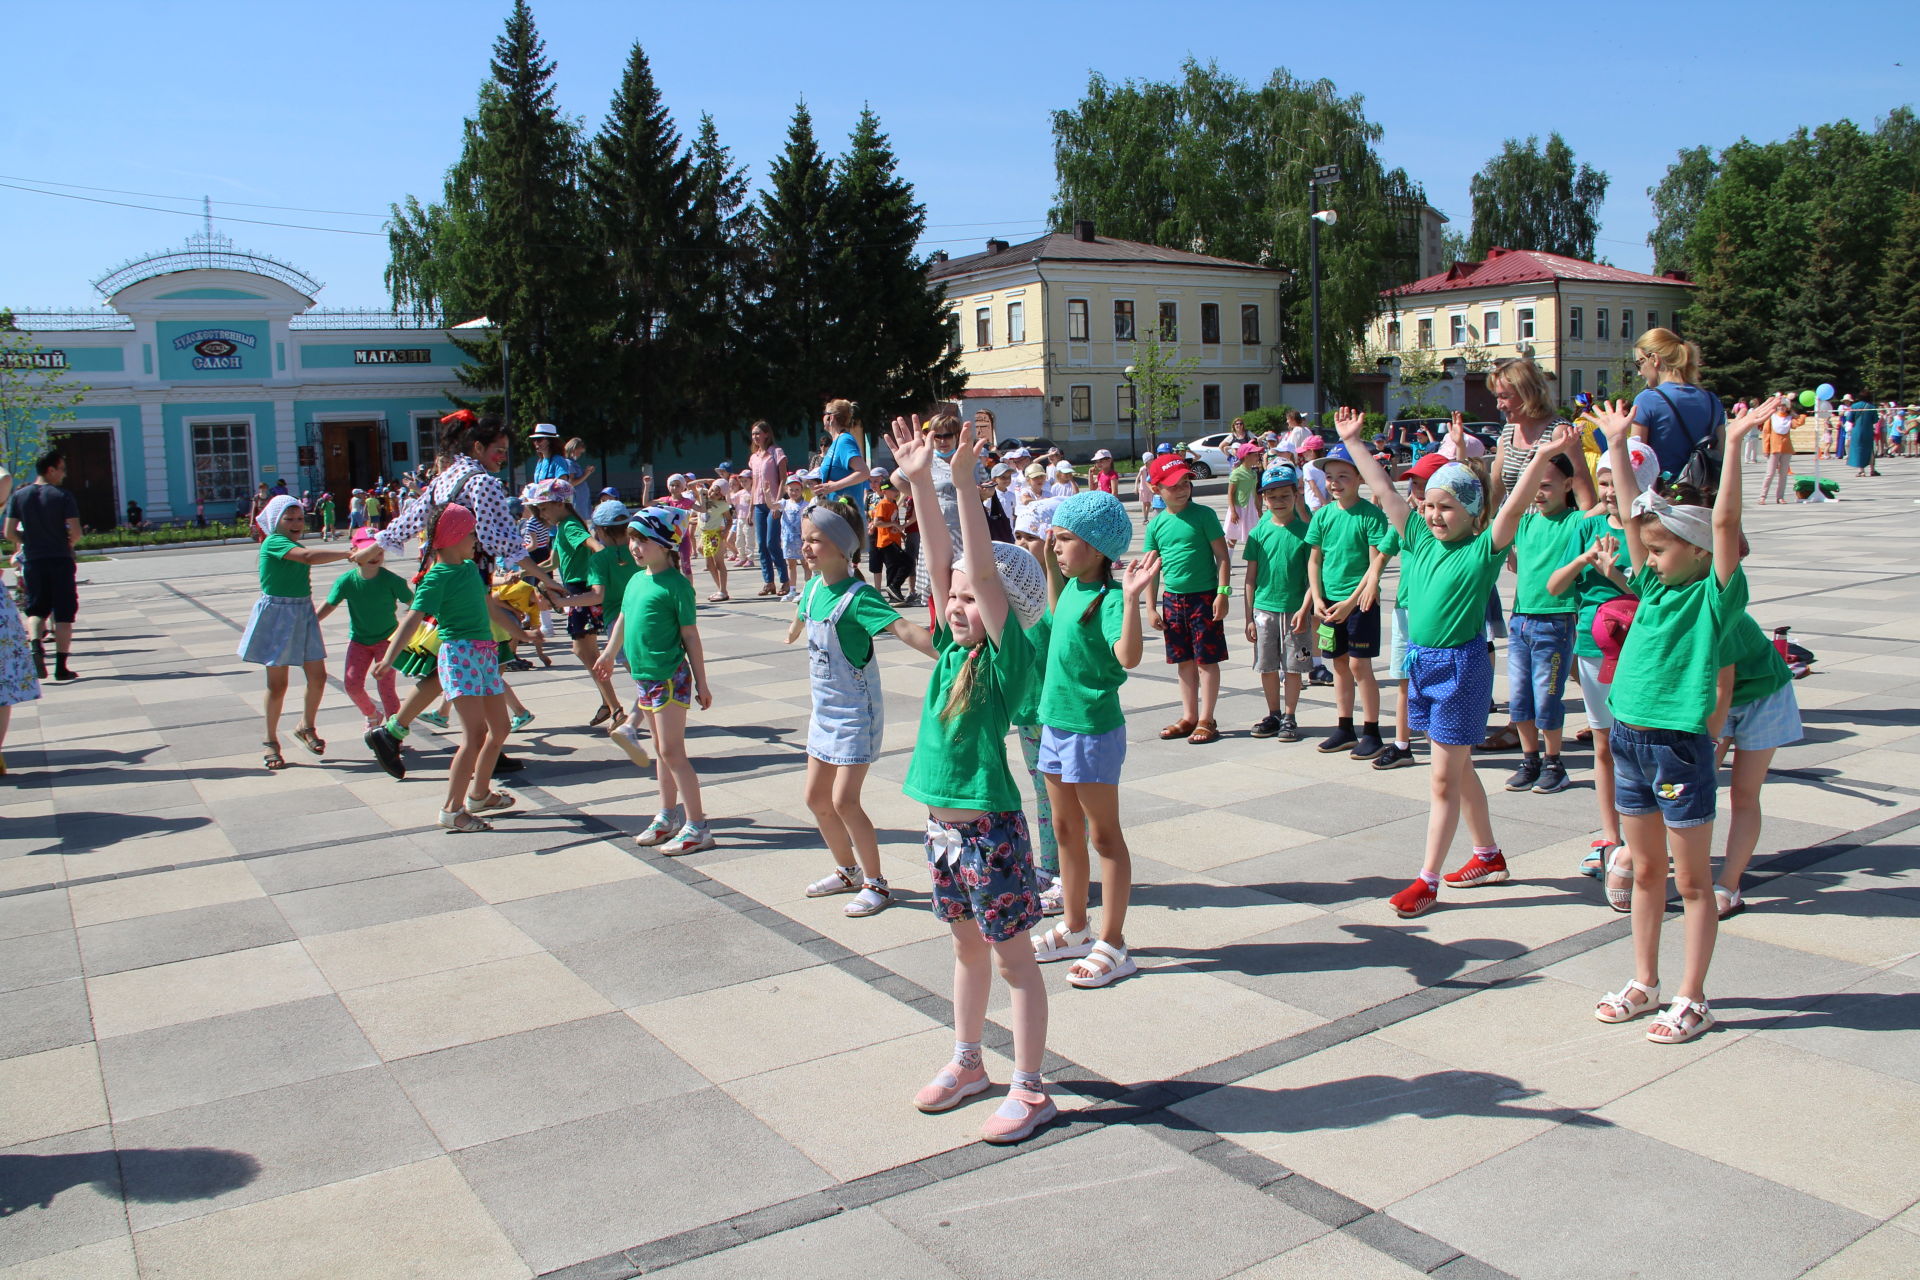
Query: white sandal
(492, 802)
(1673, 1021)
(1620, 900)
(1119, 964)
(843, 880)
(1062, 943)
(1623, 1001)
(458, 822)
(1729, 901)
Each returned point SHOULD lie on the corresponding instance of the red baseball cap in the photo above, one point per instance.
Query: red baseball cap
(1610, 624)
(1169, 469)
(1423, 470)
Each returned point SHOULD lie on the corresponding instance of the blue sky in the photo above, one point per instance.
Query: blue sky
(349, 105)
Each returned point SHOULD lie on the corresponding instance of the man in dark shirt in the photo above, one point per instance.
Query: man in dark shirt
(45, 520)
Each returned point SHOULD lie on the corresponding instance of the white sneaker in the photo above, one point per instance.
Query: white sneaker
(691, 839)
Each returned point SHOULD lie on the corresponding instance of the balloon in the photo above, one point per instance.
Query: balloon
(1806, 399)
(1824, 391)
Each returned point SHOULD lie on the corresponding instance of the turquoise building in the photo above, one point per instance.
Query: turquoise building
(210, 370)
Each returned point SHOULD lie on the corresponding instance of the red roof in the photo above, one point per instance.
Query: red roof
(1528, 266)
(1000, 393)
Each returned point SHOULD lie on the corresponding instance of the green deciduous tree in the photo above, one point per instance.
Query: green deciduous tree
(36, 392)
(1211, 164)
(1893, 344)
(1676, 204)
(1533, 198)
(1161, 379)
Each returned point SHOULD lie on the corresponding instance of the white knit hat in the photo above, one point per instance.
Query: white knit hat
(1025, 582)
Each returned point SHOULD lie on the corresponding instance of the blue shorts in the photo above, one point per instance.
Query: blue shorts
(1397, 646)
(1083, 757)
(1539, 651)
(1450, 693)
(1663, 771)
(983, 871)
(1766, 723)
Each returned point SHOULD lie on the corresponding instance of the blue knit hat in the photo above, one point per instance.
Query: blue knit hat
(1278, 474)
(611, 513)
(1098, 519)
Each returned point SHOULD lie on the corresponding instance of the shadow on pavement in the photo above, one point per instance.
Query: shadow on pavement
(141, 1174)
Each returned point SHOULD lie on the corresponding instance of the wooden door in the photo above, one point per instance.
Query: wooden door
(90, 477)
(349, 458)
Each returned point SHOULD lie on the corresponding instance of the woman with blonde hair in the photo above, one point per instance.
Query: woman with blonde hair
(843, 472)
(1525, 400)
(1681, 420)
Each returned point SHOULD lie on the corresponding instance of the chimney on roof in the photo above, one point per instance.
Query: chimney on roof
(1083, 230)
(939, 255)
(996, 246)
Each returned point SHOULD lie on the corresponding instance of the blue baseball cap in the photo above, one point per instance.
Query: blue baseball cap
(1278, 474)
(1165, 448)
(1340, 453)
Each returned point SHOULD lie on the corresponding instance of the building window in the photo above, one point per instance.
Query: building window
(1249, 397)
(1250, 325)
(1423, 334)
(1653, 319)
(1626, 326)
(1600, 382)
(1490, 326)
(1169, 322)
(1210, 322)
(1674, 324)
(1393, 335)
(1210, 402)
(1523, 321)
(222, 461)
(954, 345)
(1016, 322)
(983, 328)
(1077, 330)
(1600, 324)
(1123, 402)
(1123, 321)
(1080, 403)
(1456, 331)
(1574, 382)
(1576, 323)
(426, 435)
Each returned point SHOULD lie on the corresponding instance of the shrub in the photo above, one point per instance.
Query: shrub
(214, 532)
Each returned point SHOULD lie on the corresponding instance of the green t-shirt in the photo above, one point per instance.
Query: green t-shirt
(1537, 552)
(610, 569)
(1185, 539)
(1592, 589)
(1668, 674)
(1758, 668)
(455, 597)
(1346, 537)
(326, 512)
(1040, 636)
(962, 763)
(570, 554)
(1281, 551)
(656, 607)
(864, 619)
(1448, 608)
(1081, 693)
(280, 576)
(1392, 547)
(1241, 482)
(370, 602)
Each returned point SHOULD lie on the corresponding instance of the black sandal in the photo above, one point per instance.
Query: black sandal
(312, 741)
(274, 761)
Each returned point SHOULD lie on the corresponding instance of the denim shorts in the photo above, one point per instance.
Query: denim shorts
(983, 871)
(1083, 757)
(1397, 646)
(1539, 650)
(1663, 771)
(1594, 693)
(1450, 693)
(1766, 723)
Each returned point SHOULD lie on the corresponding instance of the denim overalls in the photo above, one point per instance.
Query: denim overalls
(849, 710)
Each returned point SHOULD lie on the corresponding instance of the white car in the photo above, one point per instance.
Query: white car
(1209, 455)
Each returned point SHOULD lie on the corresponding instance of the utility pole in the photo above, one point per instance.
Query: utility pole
(1323, 176)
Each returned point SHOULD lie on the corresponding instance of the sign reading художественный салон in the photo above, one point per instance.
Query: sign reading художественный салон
(215, 348)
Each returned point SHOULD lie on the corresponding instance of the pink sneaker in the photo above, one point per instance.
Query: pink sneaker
(950, 1087)
(1035, 1108)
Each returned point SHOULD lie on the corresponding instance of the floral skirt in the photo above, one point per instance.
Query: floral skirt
(17, 681)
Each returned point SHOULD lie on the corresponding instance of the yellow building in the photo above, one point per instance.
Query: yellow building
(1577, 319)
(1048, 328)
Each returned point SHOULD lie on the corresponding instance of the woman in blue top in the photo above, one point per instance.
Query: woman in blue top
(1672, 414)
(843, 469)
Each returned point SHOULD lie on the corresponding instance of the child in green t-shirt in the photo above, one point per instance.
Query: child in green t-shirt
(1343, 571)
(1540, 630)
(283, 630)
(327, 530)
(660, 640)
(978, 851)
(1665, 697)
(373, 595)
(1279, 608)
(573, 547)
(1197, 572)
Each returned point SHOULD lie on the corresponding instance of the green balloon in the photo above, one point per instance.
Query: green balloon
(1806, 399)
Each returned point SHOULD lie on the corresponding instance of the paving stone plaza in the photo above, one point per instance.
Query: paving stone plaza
(259, 1025)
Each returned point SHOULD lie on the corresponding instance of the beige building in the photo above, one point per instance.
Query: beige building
(1048, 328)
(1577, 319)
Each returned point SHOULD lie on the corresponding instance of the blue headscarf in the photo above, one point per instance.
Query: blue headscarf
(1463, 484)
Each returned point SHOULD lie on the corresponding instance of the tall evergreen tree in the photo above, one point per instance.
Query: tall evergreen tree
(508, 240)
(1818, 336)
(1735, 349)
(1893, 345)
(1533, 198)
(722, 378)
(895, 326)
(796, 315)
(637, 179)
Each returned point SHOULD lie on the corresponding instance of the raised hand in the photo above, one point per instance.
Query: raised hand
(1753, 418)
(1349, 423)
(1603, 551)
(1139, 576)
(912, 451)
(1615, 418)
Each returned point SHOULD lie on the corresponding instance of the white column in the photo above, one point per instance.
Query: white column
(285, 446)
(157, 500)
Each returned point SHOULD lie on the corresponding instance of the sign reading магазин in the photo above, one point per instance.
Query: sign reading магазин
(393, 355)
(215, 348)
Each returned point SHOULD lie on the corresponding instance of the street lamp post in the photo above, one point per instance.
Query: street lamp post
(1133, 417)
(1323, 176)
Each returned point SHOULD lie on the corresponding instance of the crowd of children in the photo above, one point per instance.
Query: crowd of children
(1641, 600)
